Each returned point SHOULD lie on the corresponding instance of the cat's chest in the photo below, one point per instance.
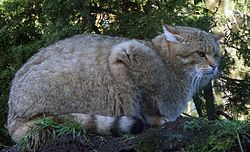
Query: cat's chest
(173, 101)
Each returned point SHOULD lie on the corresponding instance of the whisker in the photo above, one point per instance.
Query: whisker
(194, 76)
(198, 81)
(195, 83)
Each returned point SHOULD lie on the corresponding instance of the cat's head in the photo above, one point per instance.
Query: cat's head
(190, 51)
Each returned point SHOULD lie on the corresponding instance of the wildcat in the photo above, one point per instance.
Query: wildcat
(113, 84)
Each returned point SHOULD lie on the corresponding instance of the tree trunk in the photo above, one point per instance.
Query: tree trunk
(198, 104)
(210, 108)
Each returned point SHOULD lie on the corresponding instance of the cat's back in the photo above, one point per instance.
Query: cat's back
(63, 72)
(84, 49)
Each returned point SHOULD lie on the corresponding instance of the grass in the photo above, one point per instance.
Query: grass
(198, 135)
(46, 129)
(218, 135)
(150, 143)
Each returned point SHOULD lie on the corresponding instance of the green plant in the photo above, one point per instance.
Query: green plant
(47, 129)
(193, 125)
(150, 143)
(127, 137)
(177, 137)
(218, 135)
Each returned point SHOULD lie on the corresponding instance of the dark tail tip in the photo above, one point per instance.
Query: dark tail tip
(138, 126)
(127, 124)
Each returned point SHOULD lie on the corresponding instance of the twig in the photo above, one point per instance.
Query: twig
(223, 114)
(187, 114)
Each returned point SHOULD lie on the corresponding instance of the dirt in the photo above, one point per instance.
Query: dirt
(169, 138)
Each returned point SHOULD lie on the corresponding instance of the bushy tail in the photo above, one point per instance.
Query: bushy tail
(105, 124)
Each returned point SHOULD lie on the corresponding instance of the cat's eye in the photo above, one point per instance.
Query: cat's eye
(201, 54)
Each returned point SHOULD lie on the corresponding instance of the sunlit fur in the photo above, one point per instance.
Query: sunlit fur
(112, 84)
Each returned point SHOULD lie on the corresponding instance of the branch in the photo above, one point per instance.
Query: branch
(227, 78)
(187, 114)
(223, 114)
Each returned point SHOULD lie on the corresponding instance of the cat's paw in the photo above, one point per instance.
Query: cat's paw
(156, 121)
(162, 121)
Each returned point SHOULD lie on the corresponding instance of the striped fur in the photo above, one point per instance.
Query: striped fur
(112, 84)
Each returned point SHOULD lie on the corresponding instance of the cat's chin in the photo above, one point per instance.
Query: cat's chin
(205, 80)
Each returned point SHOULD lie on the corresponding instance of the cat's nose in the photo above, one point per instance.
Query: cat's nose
(213, 66)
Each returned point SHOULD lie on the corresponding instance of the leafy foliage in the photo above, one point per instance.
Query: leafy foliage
(136, 19)
(234, 81)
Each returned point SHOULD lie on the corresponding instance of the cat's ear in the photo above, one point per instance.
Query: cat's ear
(171, 33)
(218, 37)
